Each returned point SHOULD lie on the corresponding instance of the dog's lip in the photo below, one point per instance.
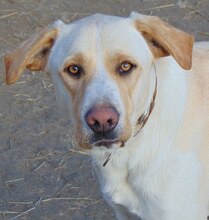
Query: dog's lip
(107, 143)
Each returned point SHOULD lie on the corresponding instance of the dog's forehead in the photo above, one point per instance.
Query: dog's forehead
(106, 34)
(110, 32)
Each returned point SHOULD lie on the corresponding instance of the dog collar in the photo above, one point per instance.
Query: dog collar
(142, 120)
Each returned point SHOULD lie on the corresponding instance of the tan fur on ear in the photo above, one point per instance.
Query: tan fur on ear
(164, 40)
(31, 54)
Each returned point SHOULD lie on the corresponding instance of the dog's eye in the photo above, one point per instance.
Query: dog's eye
(74, 70)
(125, 67)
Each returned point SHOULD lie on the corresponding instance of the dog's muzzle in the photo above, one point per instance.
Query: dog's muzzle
(102, 120)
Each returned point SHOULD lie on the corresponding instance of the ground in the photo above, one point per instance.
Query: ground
(41, 175)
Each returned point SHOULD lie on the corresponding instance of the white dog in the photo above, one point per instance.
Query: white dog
(138, 94)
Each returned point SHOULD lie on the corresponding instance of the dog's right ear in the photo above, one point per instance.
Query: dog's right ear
(31, 54)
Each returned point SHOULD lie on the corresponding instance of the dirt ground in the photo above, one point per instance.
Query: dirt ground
(42, 177)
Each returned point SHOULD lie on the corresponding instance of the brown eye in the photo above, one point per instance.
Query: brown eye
(74, 70)
(125, 67)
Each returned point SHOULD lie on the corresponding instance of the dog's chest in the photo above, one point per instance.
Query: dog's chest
(133, 188)
(148, 188)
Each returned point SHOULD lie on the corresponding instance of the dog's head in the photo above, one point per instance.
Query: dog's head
(102, 69)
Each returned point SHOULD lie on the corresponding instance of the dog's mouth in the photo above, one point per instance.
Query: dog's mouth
(108, 143)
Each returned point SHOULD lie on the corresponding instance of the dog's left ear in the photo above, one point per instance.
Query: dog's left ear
(165, 40)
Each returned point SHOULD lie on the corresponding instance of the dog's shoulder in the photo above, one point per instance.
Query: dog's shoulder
(201, 52)
(200, 63)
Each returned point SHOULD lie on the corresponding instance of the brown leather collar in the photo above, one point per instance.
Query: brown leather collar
(142, 120)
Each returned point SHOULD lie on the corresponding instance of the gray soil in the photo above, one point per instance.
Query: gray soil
(42, 177)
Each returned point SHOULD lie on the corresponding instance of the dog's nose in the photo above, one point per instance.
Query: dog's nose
(102, 119)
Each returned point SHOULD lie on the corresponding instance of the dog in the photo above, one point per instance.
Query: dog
(137, 92)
